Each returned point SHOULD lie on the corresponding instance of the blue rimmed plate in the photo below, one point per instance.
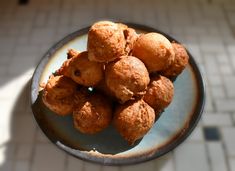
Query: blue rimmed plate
(173, 127)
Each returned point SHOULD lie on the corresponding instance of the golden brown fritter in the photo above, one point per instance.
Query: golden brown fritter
(159, 93)
(72, 53)
(92, 112)
(83, 71)
(106, 42)
(154, 50)
(133, 120)
(126, 77)
(130, 37)
(58, 94)
(179, 63)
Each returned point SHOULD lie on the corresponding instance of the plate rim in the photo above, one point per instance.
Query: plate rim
(196, 114)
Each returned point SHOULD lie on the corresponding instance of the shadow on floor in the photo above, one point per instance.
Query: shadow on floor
(20, 149)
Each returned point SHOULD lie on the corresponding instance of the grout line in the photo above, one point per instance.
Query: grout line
(66, 161)
(232, 115)
(33, 149)
(227, 19)
(225, 151)
(174, 160)
(208, 156)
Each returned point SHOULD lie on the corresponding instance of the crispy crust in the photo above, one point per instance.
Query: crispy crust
(154, 50)
(83, 71)
(58, 94)
(159, 93)
(130, 37)
(106, 42)
(179, 63)
(126, 78)
(92, 112)
(72, 53)
(133, 120)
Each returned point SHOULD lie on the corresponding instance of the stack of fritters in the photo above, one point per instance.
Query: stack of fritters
(123, 77)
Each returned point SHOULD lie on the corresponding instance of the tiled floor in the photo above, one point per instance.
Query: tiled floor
(206, 27)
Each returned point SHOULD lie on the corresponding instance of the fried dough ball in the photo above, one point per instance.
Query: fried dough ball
(58, 94)
(106, 42)
(133, 120)
(83, 71)
(92, 112)
(159, 93)
(179, 63)
(72, 53)
(126, 77)
(154, 50)
(130, 37)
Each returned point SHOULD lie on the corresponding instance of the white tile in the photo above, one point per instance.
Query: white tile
(2, 155)
(23, 151)
(47, 158)
(217, 47)
(7, 166)
(233, 60)
(195, 30)
(8, 151)
(208, 103)
(228, 134)
(22, 39)
(215, 80)
(24, 128)
(214, 31)
(229, 86)
(110, 168)
(222, 119)
(217, 91)
(3, 69)
(222, 58)
(194, 39)
(5, 120)
(225, 105)
(40, 19)
(42, 35)
(165, 163)
(64, 18)
(194, 50)
(91, 167)
(231, 48)
(233, 117)
(41, 137)
(74, 164)
(5, 59)
(217, 156)
(21, 166)
(196, 135)
(226, 69)
(28, 50)
(11, 94)
(150, 166)
(232, 164)
(191, 156)
(52, 19)
(20, 65)
(231, 16)
(211, 64)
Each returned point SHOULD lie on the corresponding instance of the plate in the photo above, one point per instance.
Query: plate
(174, 125)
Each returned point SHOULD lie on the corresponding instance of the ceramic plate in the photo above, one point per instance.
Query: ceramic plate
(173, 127)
